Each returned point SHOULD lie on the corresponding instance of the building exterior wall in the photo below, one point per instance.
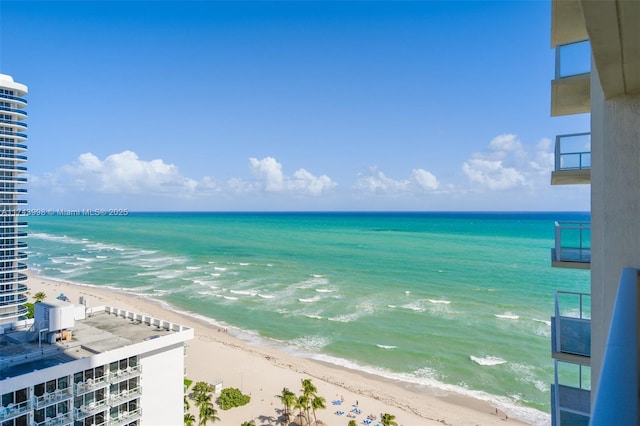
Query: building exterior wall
(160, 403)
(615, 205)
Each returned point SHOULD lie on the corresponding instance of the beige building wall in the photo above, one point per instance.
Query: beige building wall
(615, 206)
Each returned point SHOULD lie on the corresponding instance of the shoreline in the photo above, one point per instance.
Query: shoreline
(261, 371)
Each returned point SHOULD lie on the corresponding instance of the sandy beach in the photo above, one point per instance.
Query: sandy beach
(215, 355)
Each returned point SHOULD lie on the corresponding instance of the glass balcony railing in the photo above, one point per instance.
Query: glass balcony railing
(91, 408)
(571, 394)
(14, 122)
(573, 152)
(16, 110)
(91, 384)
(572, 242)
(52, 398)
(13, 98)
(10, 133)
(19, 312)
(573, 59)
(12, 410)
(571, 325)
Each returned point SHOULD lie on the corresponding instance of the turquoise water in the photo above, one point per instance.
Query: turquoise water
(453, 301)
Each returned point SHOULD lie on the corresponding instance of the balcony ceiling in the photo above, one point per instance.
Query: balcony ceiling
(613, 27)
(567, 23)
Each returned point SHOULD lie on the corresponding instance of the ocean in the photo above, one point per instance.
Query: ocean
(441, 301)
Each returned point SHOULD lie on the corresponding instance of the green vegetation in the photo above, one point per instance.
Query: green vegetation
(29, 307)
(388, 419)
(189, 419)
(232, 397)
(187, 406)
(202, 395)
(288, 400)
(39, 296)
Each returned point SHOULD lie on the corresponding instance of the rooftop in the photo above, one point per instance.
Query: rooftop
(103, 329)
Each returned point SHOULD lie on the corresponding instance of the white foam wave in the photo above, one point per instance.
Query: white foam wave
(345, 318)
(443, 302)
(244, 292)
(219, 268)
(313, 316)
(413, 307)
(325, 290)
(386, 346)
(309, 300)
(487, 360)
(392, 306)
(193, 268)
(230, 297)
(508, 316)
(266, 296)
(167, 275)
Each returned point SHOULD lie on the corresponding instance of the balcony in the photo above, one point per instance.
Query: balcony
(126, 417)
(571, 327)
(571, 395)
(90, 385)
(13, 314)
(22, 114)
(15, 123)
(124, 374)
(52, 398)
(572, 159)
(567, 22)
(571, 88)
(124, 396)
(91, 408)
(572, 245)
(60, 420)
(14, 410)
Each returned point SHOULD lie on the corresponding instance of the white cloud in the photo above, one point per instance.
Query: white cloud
(424, 179)
(123, 173)
(492, 174)
(377, 182)
(270, 177)
(508, 165)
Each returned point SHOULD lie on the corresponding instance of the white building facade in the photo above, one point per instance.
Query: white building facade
(13, 146)
(97, 366)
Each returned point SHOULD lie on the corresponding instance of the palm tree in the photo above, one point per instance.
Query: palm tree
(202, 393)
(388, 419)
(309, 391)
(39, 296)
(288, 400)
(207, 413)
(187, 384)
(302, 402)
(352, 423)
(249, 423)
(189, 419)
(317, 403)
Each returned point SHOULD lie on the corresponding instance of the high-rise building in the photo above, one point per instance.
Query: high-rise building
(12, 229)
(597, 336)
(92, 366)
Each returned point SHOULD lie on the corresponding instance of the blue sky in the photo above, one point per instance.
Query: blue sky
(160, 105)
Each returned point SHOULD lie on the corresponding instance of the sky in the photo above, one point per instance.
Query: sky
(289, 106)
